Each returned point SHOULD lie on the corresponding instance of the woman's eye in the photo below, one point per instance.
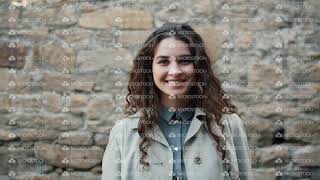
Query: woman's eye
(163, 61)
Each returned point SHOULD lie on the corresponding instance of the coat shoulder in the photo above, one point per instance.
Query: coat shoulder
(122, 130)
(233, 120)
(126, 123)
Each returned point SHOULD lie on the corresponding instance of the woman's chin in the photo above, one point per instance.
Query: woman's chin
(176, 93)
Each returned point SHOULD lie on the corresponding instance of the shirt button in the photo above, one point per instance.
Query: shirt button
(197, 160)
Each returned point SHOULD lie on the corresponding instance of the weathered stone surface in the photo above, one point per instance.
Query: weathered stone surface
(74, 157)
(100, 105)
(35, 177)
(38, 17)
(213, 38)
(66, 82)
(307, 73)
(277, 110)
(62, 59)
(101, 139)
(50, 17)
(251, 26)
(132, 19)
(306, 130)
(273, 155)
(96, 19)
(7, 135)
(36, 134)
(265, 174)
(4, 80)
(9, 18)
(14, 158)
(25, 104)
(95, 60)
(28, 164)
(277, 20)
(106, 38)
(28, 4)
(75, 138)
(19, 82)
(74, 35)
(117, 17)
(245, 39)
(307, 156)
(236, 17)
(243, 7)
(50, 121)
(300, 94)
(57, 82)
(206, 7)
(115, 84)
(97, 170)
(78, 103)
(34, 35)
(51, 102)
(174, 14)
(86, 7)
(303, 173)
(101, 127)
(63, 122)
(12, 56)
(5, 104)
(133, 38)
(312, 8)
(265, 76)
(4, 152)
(259, 131)
(84, 84)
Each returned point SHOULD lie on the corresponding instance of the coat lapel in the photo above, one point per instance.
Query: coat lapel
(156, 135)
(195, 124)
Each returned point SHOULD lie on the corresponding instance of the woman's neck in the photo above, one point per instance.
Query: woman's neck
(175, 102)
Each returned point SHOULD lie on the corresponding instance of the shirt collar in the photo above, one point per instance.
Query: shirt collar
(196, 122)
(166, 113)
(197, 117)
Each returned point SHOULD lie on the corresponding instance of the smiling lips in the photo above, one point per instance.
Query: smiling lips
(176, 82)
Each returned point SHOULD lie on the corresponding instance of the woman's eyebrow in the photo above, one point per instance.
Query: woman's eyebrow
(167, 57)
(162, 57)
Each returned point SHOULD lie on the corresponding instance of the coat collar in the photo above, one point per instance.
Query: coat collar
(157, 134)
(166, 114)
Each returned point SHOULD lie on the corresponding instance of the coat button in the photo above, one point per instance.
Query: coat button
(197, 160)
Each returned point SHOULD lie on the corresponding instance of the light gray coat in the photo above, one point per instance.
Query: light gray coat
(201, 158)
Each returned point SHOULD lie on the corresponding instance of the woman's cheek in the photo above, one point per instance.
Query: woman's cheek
(190, 71)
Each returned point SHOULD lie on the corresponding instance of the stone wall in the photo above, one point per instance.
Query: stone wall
(64, 67)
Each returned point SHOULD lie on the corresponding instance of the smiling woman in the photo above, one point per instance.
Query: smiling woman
(172, 73)
(185, 129)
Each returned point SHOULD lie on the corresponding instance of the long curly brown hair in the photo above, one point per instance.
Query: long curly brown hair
(142, 83)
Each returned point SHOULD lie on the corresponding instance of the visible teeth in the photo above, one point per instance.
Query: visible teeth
(175, 83)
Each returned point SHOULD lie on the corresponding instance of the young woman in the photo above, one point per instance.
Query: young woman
(180, 123)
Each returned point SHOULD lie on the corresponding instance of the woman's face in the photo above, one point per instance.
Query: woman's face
(171, 69)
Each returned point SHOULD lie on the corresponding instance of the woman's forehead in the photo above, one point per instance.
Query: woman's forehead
(171, 47)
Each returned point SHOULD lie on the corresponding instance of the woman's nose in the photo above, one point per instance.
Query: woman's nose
(174, 68)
